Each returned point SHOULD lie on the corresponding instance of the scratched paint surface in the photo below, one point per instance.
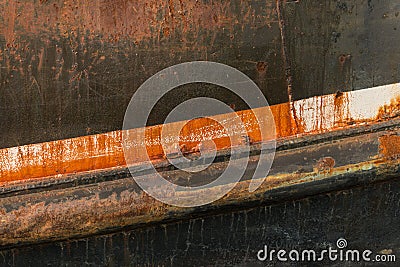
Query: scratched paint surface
(342, 45)
(65, 213)
(318, 115)
(69, 68)
(240, 234)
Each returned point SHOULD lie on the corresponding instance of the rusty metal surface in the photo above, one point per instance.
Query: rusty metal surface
(389, 145)
(308, 117)
(233, 238)
(56, 214)
(69, 68)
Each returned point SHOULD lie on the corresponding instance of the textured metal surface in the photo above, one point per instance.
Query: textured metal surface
(69, 68)
(367, 216)
(342, 45)
(311, 116)
(53, 213)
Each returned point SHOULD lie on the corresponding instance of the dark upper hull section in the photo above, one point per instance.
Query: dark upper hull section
(69, 68)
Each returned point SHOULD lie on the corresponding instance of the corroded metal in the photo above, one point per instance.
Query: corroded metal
(314, 116)
(77, 63)
(94, 208)
(390, 146)
(69, 68)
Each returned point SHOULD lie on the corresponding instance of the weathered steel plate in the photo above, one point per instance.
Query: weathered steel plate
(304, 117)
(40, 214)
(69, 68)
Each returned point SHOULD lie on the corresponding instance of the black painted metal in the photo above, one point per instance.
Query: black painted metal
(367, 216)
(331, 45)
(56, 85)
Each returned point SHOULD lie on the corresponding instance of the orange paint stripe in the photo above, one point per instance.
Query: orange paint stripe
(104, 151)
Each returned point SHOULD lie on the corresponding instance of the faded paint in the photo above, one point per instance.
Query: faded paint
(65, 63)
(318, 115)
(116, 20)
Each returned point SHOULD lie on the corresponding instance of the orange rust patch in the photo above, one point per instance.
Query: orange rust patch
(390, 146)
(390, 111)
(197, 126)
(341, 104)
(285, 124)
(103, 151)
(325, 164)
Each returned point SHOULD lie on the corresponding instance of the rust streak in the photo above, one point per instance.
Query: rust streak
(390, 111)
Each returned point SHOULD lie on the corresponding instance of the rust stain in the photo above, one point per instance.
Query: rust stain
(261, 67)
(94, 211)
(115, 20)
(285, 123)
(390, 146)
(9, 10)
(341, 104)
(346, 109)
(343, 59)
(390, 111)
(325, 164)
(198, 127)
(105, 150)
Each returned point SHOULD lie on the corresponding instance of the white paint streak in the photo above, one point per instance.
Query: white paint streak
(320, 113)
(365, 104)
